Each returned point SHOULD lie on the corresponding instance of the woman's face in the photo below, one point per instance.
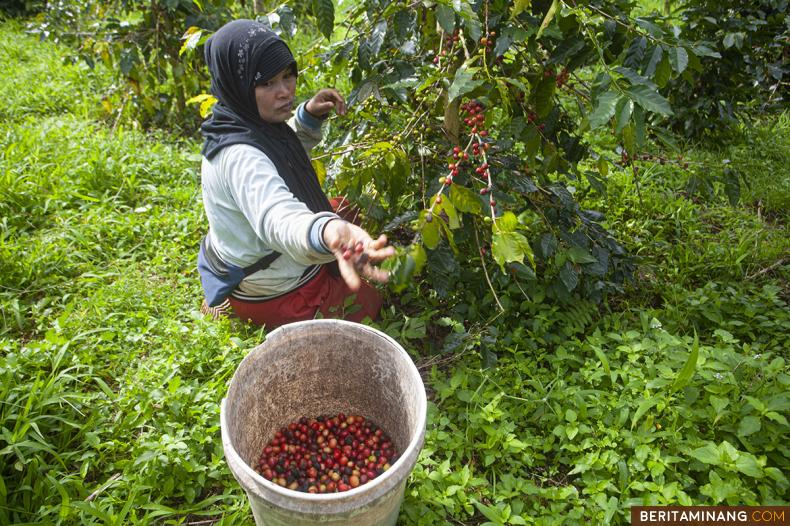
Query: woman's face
(275, 97)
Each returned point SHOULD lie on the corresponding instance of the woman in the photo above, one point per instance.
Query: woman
(275, 252)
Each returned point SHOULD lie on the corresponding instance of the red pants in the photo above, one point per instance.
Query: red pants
(324, 293)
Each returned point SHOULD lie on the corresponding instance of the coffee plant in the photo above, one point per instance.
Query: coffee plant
(467, 143)
(150, 47)
(750, 42)
(21, 7)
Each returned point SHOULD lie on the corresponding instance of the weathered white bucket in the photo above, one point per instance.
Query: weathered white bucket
(314, 368)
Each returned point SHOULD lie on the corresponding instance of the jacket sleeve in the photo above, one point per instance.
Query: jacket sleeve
(307, 128)
(279, 219)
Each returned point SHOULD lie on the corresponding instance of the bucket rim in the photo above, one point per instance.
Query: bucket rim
(384, 482)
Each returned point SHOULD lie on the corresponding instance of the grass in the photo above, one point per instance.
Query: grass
(111, 379)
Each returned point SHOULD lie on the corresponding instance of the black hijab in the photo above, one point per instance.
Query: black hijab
(238, 55)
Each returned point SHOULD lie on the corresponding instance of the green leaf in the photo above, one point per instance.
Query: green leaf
(507, 247)
(463, 83)
(549, 17)
(446, 18)
(532, 142)
(544, 96)
(604, 361)
(688, 369)
(490, 512)
(629, 141)
(504, 97)
(663, 72)
(777, 475)
(636, 52)
(580, 256)
(369, 49)
(780, 402)
(508, 222)
(732, 185)
(571, 431)
(635, 78)
(748, 426)
(465, 200)
(679, 58)
(603, 167)
(518, 7)
(320, 170)
(704, 51)
(625, 107)
(377, 37)
(718, 489)
(569, 277)
(430, 231)
(650, 27)
(324, 12)
(748, 465)
(191, 40)
(655, 60)
(447, 207)
(707, 454)
(604, 110)
(640, 131)
(756, 403)
(420, 257)
(776, 417)
(719, 404)
(649, 99)
(641, 409)
(405, 266)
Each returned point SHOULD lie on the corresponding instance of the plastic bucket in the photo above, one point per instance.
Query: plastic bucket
(321, 367)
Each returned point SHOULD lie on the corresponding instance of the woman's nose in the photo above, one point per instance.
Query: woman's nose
(283, 89)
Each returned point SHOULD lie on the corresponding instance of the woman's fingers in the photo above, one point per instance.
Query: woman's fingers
(356, 252)
(349, 274)
(340, 103)
(326, 99)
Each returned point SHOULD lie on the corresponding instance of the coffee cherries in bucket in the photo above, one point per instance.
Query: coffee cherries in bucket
(327, 454)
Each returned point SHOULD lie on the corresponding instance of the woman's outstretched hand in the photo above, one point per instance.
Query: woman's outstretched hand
(356, 252)
(323, 102)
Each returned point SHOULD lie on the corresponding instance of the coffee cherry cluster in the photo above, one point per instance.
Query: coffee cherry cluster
(474, 118)
(449, 41)
(326, 454)
(562, 77)
(532, 117)
(350, 250)
(487, 42)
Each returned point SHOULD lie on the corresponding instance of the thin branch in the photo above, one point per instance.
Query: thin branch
(766, 270)
(485, 272)
(103, 487)
(198, 523)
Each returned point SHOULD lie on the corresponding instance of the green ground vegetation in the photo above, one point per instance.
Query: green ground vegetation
(673, 392)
